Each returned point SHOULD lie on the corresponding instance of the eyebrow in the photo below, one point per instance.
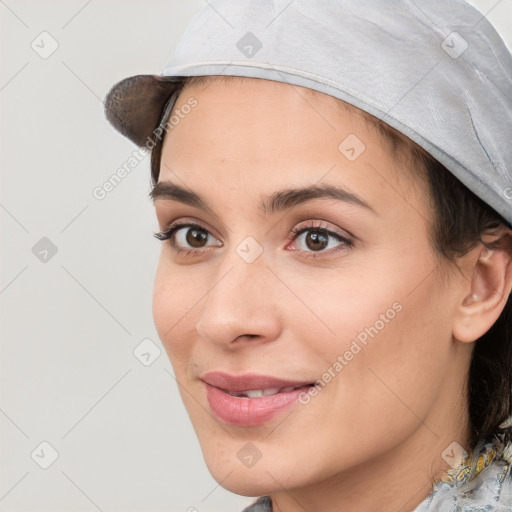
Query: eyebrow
(279, 201)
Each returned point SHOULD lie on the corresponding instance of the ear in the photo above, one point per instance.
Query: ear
(490, 284)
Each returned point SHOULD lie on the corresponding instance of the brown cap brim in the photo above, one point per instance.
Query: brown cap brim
(134, 106)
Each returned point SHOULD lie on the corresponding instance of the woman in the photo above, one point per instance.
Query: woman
(333, 186)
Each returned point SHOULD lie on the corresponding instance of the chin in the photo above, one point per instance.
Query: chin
(272, 472)
(250, 482)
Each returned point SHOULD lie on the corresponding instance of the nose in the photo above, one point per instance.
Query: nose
(239, 306)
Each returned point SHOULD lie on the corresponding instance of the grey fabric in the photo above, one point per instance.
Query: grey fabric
(437, 71)
(263, 504)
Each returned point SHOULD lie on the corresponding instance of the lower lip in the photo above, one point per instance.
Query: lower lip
(249, 412)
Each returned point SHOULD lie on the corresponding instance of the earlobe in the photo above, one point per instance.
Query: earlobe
(491, 283)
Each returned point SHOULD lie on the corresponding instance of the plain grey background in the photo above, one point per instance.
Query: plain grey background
(77, 272)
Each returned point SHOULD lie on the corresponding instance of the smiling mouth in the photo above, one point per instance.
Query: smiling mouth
(250, 400)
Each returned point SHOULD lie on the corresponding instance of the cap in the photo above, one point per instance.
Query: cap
(436, 71)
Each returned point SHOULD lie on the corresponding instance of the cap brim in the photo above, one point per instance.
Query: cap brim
(134, 106)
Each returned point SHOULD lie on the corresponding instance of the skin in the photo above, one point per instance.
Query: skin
(375, 433)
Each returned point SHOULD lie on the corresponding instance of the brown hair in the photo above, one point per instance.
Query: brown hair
(460, 219)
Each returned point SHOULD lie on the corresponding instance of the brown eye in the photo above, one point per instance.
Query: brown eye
(196, 237)
(316, 241)
(188, 237)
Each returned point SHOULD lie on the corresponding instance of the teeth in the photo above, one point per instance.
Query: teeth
(253, 393)
(270, 391)
(257, 393)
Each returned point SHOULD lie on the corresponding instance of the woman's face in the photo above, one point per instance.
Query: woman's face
(287, 286)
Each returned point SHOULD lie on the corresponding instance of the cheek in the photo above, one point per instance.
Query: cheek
(375, 338)
(396, 375)
(359, 301)
(173, 309)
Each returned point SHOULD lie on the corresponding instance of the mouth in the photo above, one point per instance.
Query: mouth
(250, 400)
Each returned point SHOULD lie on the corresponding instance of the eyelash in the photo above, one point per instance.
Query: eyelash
(295, 232)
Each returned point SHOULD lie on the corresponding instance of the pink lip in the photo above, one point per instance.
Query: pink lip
(244, 411)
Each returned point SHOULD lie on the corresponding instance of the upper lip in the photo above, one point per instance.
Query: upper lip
(248, 381)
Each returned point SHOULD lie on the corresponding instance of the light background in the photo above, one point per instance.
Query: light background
(69, 325)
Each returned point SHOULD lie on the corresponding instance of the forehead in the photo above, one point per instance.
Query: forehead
(269, 134)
